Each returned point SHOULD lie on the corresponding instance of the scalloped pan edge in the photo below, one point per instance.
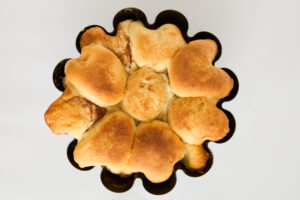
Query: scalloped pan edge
(114, 182)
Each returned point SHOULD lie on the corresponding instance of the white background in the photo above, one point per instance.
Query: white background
(260, 44)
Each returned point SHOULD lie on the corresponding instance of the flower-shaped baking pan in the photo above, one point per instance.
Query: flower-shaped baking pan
(143, 101)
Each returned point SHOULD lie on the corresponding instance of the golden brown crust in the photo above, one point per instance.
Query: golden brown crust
(146, 94)
(108, 143)
(119, 44)
(192, 74)
(154, 48)
(98, 75)
(195, 120)
(195, 157)
(72, 114)
(156, 149)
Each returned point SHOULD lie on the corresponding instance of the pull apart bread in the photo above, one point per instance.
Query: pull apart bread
(142, 100)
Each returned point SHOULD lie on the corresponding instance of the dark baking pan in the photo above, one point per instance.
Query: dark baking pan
(114, 182)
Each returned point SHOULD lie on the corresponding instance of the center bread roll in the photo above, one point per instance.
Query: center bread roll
(98, 75)
(146, 94)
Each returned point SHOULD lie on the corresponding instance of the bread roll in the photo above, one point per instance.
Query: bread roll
(155, 151)
(98, 75)
(72, 114)
(195, 157)
(195, 120)
(192, 74)
(108, 143)
(154, 48)
(119, 44)
(146, 95)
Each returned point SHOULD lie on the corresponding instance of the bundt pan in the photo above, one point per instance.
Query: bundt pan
(114, 182)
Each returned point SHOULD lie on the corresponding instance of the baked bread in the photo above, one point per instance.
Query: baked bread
(108, 143)
(195, 120)
(98, 75)
(154, 48)
(192, 74)
(119, 44)
(195, 156)
(146, 94)
(146, 78)
(71, 113)
(155, 151)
